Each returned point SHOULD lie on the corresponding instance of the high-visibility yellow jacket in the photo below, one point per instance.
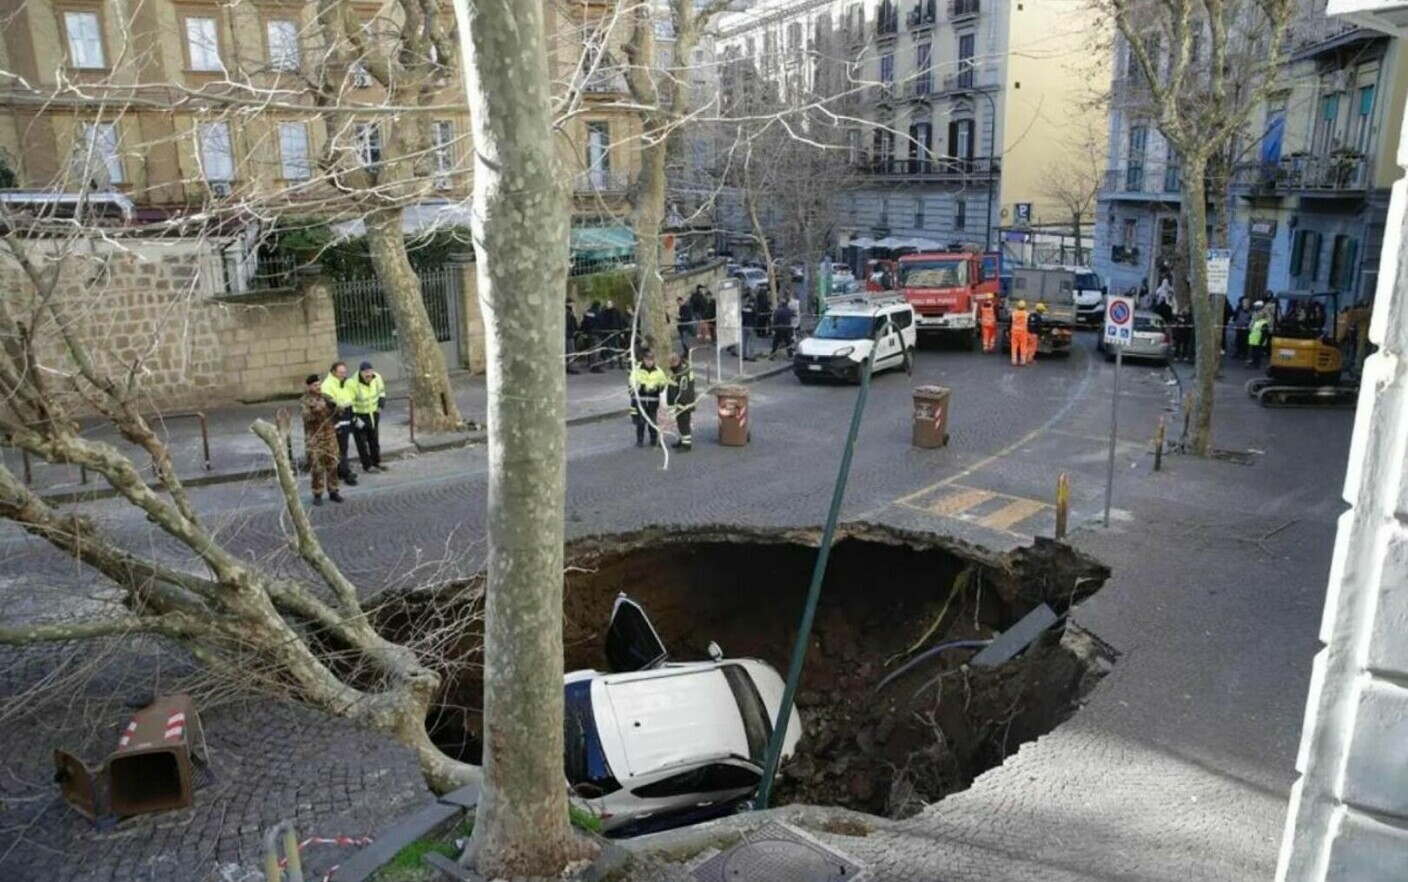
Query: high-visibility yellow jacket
(646, 384)
(1257, 335)
(339, 391)
(366, 397)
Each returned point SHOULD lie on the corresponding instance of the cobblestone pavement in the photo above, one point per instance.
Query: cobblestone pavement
(1177, 769)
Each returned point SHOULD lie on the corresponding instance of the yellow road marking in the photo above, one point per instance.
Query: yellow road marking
(1012, 513)
(961, 501)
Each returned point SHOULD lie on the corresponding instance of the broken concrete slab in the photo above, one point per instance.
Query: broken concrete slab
(1009, 643)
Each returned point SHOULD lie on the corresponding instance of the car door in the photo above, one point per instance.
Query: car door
(889, 351)
(704, 790)
(631, 641)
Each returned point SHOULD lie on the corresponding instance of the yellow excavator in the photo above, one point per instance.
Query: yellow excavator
(1307, 365)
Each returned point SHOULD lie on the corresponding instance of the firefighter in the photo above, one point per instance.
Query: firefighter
(1035, 321)
(336, 387)
(681, 399)
(368, 398)
(1018, 333)
(320, 415)
(987, 320)
(646, 383)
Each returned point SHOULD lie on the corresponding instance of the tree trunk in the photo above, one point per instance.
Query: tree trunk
(652, 319)
(520, 240)
(431, 394)
(1204, 322)
(1075, 220)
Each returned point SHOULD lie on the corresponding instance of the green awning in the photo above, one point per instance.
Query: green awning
(602, 243)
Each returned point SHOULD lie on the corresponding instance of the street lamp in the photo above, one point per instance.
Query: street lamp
(992, 146)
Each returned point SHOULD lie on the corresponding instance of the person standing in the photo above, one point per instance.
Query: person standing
(647, 381)
(699, 309)
(320, 414)
(782, 329)
(611, 323)
(336, 387)
(680, 398)
(571, 343)
(368, 398)
(591, 330)
(1259, 336)
(1033, 336)
(749, 311)
(1018, 333)
(987, 321)
(763, 313)
(684, 320)
(1241, 328)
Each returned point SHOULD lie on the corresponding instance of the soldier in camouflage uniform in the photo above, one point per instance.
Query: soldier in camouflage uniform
(320, 415)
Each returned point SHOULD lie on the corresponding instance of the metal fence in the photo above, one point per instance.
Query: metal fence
(364, 319)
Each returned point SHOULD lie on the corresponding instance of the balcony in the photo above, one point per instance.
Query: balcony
(921, 88)
(1124, 254)
(961, 10)
(604, 84)
(969, 77)
(1339, 173)
(922, 16)
(935, 169)
(880, 93)
(601, 181)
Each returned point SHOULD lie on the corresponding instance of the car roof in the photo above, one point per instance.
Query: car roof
(667, 716)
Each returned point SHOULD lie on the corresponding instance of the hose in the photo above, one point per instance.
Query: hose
(928, 653)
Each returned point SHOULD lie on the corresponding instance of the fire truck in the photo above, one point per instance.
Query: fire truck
(945, 288)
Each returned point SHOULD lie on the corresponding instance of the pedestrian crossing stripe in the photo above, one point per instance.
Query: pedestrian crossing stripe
(986, 508)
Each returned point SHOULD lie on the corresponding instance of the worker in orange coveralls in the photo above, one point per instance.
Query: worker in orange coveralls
(1019, 333)
(987, 320)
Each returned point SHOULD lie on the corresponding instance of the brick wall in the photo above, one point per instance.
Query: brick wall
(152, 312)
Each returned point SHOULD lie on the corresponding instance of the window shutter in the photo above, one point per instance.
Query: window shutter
(1313, 242)
(1297, 252)
(953, 139)
(1351, 254)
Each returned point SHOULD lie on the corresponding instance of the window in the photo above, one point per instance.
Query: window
(217, 158)
(443, 132)
(368, 144)
(887, 68)
(960, 214)
(919, 212)
(282, 37)
(757, 725)
(705, 779)
(902, 318)
(1364, 119)
(599, 152)
(966, 43)
(884, 149)
(853, 145)
(923, 77)
(1305, 255)
(1326, 136)
(1134, 167)
(294, 164)
(919, 147)
(84, 31)
(203, 44)
(1129, 234)
(1173, 171)
(960, 139)
(1342, 258)
(100, 143)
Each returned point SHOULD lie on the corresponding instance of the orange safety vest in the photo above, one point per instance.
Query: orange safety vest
(1019, 321)
(986, 316)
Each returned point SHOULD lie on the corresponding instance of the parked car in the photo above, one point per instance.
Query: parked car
(731, 269)
(842, 341)
(1150, 339)
(752, 279)
(660, 743)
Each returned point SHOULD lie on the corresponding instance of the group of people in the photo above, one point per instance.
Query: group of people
(648, 382)
(695, 316)
(338, 409)
(601, 335)
(781, 323)
(1024, 331)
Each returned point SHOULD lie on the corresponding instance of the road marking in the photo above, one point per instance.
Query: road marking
(957, 503)
(1012, 513)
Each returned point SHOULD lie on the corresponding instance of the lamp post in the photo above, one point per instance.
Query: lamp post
(992, 146)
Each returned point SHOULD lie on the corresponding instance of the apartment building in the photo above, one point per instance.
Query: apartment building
(1307, 187)
(955, 110)
(178, 104)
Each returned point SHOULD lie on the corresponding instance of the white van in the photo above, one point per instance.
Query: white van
(842, 341)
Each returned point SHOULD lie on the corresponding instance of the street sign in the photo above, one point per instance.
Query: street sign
(1119, 320)
(1023, 212)
(1219, 268)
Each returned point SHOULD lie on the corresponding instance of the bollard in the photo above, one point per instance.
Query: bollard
(1063, 504)
(1159, 445)
(273, 869)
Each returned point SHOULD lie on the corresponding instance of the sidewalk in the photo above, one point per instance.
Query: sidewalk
(235, 454)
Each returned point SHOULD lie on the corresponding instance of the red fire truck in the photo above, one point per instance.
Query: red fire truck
(945, 288)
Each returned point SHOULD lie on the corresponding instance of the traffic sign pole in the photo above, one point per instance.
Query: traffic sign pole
(1119, 331)
(1114, 426)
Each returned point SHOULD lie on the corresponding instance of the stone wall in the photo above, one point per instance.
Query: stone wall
(154, 312)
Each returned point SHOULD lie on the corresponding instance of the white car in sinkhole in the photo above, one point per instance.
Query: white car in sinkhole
(659, 744)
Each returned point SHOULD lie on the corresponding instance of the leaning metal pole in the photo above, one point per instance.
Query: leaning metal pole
(823, 554)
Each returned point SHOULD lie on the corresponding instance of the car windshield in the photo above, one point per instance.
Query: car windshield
(934, 274)
(1087, 282)
(843, 327)
(1148, 323)
(585, 759)
(757, 724)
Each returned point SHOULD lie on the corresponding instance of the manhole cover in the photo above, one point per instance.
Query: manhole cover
(778, 853)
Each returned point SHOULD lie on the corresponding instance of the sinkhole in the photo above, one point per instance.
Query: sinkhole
(888, 597)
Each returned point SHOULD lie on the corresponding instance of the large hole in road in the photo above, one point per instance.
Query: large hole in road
(888, 596)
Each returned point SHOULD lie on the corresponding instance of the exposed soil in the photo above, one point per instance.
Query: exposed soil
(925, 735)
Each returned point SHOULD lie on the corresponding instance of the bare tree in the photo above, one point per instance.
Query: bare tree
(1075, 185)
(521, 827)
(1202, 68)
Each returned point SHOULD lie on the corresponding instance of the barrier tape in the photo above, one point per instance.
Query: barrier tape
(357, 841)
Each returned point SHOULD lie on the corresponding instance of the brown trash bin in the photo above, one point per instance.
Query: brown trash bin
(931, 417)
(733, 415)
